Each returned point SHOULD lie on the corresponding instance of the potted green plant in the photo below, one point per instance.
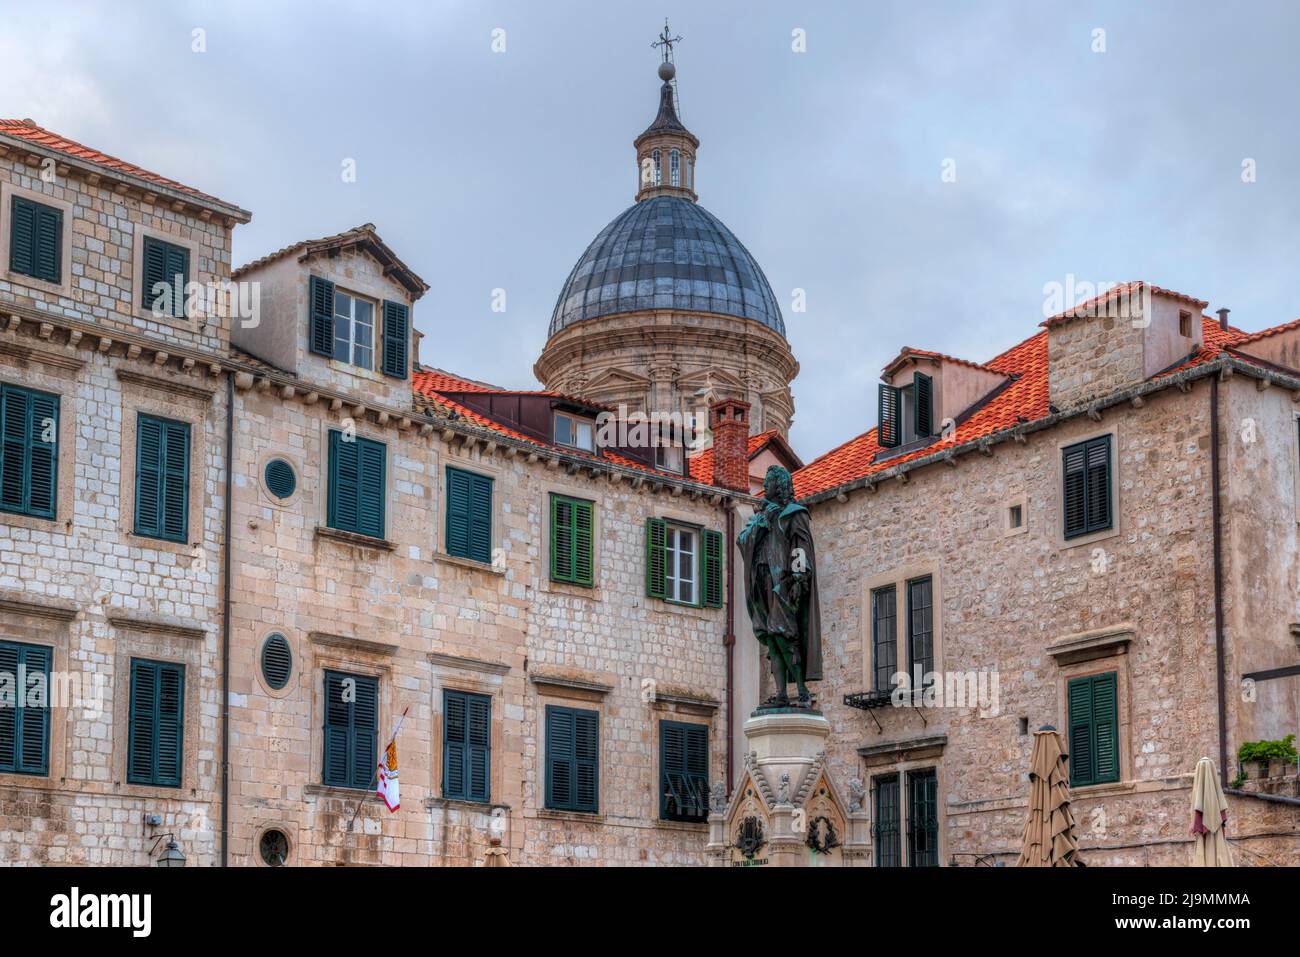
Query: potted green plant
(1260, 759)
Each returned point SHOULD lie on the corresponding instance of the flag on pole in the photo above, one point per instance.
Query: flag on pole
(387, 777)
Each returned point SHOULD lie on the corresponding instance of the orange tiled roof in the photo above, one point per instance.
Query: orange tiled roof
(1123, 289)
(364, 236)
(908, 352)
(1024, 400)
(27, 130)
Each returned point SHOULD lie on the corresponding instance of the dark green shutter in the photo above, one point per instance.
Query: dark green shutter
(467, 745)
(162, 472)
(397, 337)
(28, 463)
(165, 264)
(25, 721)
(156, 732)
(351, 730)
(572, 759)
(1094, 729)
(923, 413)
(572, 542)
(321, 306)
(890, 432)
(356, 485)
(656, 562)
(1086, 490)
(683, 771)
(36, 240)
(469, 515)
(714, 567)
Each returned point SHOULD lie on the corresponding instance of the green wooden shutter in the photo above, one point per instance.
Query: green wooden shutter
(49, 246)
(177, 275)
(154, 261)
(1098, 483)
(923, 412)
(478, 756)
(1105, 723)
(889, 434)
(28, 463)
(336, 736)
(175, 480)
(397, 336)
(480, 520)
(148, 477)
(455, 734)
(1074, 488)
(714, 567)
(1086, 491)
(467, 728)
(586, 759)
(656, 563)
(1079, 696)
(22, 236)
(345, 479)
(320, 295)
(560, 771)
(351, 730)
(25, 721)
(572, 543)
(162, 478)
(165, 264)
(365, 733)
(683, 771)
(459, 490)
(370, 498)
(155, 736)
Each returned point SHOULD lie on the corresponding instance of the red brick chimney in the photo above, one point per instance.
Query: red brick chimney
(729, 421)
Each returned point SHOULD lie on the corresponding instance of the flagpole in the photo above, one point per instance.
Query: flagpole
(375, 775)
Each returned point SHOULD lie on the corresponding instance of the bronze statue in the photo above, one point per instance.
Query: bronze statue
(781, 588)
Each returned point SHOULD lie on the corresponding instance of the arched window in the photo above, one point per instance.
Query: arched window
(659, 170)
(675, 168)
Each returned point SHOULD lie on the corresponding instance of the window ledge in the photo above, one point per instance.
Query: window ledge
(354, 538)
(470, 563)
(336, 791)
(691, 826)
(1102, 790)
(588, 817)
(590, 592)
(458, 804)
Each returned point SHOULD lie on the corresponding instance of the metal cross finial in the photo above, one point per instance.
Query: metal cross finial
(666, 41)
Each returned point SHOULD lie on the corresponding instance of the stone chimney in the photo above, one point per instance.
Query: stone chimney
(729, 421)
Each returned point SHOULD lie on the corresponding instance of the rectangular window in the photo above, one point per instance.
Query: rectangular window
(884, 637)
(157, 723)
(354, 330)
(166, 274)
(469, 515)
(572, 759)
(1015, 516)
(162, 478)
(1086, 471)
(923, 818)
(673, 564)
(683, 771)
(356, 485)
(466, 745)
(29, 451)
(574, 432)
(920, 627)
(25, 718)
(572, 541)
(1094, 729)
(35, 240)
(889, 852)
(351, 730)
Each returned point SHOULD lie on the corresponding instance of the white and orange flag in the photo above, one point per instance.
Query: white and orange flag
(387, 777)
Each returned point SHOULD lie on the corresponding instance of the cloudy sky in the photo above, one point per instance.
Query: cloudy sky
(1104, 156)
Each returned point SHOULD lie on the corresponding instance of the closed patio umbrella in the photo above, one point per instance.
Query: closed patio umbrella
(1049, 832)
(1209, 818)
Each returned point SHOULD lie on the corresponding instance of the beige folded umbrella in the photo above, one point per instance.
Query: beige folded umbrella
(1209, 818)
(1049, 833)
(496, 855)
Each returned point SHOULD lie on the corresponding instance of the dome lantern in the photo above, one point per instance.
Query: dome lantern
(665, 152)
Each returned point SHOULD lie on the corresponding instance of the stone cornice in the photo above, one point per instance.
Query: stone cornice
(343, 642)
(893, 752)
(444, 660)
(58, 360)
(21, 604)
(162, 383)
(1088, 645)
(152, 625)
(570, 682)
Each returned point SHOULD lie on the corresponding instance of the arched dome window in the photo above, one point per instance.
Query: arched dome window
(675, 168)
(659, 170)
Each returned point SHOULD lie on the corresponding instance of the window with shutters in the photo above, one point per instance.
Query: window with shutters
(889, 852)
(1088, 500)
(572, 540)
(166, 273)
(684, 564)
(25, 710)
(1094, 729)
(572, 759)
(906, 412)
(923, 818)
(884, 637)
(351, 733)
(683, 771)
(359, 331)
(29, 451)
(466, 746)
(356, 484)
(162, 478)
(155, 737)
(920, 627)
(469, 515)
(35, 240)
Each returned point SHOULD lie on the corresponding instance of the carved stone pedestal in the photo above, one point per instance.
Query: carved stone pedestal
(786, 811)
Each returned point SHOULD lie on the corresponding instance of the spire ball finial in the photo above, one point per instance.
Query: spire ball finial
(667, 71)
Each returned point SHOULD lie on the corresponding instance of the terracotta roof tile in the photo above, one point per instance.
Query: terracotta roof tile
(1123, 289)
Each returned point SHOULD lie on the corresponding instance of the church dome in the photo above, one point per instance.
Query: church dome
(666, 252)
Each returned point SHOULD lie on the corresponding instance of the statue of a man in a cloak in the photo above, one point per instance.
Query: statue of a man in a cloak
(781, 587)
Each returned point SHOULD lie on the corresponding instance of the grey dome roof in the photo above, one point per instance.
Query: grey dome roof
(666, 253)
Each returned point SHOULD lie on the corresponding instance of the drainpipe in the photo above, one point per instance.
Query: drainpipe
(729, 639)
(1216, 509)
(225, 619)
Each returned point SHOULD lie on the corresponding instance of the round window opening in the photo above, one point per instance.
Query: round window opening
(280, 480)
(274, 848)
(277, 661)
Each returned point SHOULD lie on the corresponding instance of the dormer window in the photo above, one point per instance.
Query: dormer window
(574, 432)
(1185, 324)
(354, 330)
(906, 412)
